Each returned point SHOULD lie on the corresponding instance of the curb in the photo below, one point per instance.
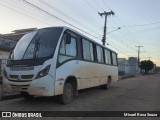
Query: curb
(125, 77)
(8, 97)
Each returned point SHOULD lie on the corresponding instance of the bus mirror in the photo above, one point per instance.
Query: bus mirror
(68, 38)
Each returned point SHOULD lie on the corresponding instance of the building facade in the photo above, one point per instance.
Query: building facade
(128, 67)
(7, 43)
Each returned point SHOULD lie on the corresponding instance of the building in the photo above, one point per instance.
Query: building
(5, 47)
(122, 62)
(7, 43)
(17, 34)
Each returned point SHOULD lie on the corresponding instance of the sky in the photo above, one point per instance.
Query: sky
(139, 21)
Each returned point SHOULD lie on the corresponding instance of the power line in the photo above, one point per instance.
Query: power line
(139, 25)
(31, 11)
(123, 25)
(58, 18)
(106, 4)
(32, 5)
(102, 8)
(90, 5)
(71, 25)
(22, 13)
(115, 47)
(74, 27)
(98, 5)
(134, 40)
(67, 16)
(78, 12)
(149, 29)
(89, 19)
(96, 11)
(120, 50)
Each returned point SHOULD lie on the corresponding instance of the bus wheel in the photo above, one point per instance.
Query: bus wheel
(26, 95)
(108, 85)
(67, 95)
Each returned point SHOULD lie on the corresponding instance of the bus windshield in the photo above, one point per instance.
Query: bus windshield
(37, 44)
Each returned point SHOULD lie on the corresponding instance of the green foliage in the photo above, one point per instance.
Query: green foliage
(147, 65)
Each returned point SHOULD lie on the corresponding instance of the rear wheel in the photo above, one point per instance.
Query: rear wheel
(107, 85)
(67, 95)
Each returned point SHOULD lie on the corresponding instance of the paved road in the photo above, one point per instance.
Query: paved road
(140, 93)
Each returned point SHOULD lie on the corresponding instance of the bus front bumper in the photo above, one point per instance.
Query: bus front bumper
(39, 87)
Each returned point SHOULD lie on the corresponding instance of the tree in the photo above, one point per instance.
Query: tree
(147, 65)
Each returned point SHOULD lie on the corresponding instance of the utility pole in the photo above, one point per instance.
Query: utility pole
(105, 23)
(139, 55)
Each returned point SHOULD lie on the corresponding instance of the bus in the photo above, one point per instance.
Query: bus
(58, 61)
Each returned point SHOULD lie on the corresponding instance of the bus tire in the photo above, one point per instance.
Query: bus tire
(67, 95)
(107, 85)
(26, 96)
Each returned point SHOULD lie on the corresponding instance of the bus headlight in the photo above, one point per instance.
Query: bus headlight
(43, 72)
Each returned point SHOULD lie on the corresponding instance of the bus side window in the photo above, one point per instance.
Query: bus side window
(107, 56)
(87, 50)
(114, 58)
(100, 54)
(68, 50)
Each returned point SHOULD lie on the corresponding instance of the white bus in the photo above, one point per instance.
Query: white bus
(59, 61)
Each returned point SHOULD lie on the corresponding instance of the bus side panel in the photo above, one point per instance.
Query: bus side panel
(88, 74)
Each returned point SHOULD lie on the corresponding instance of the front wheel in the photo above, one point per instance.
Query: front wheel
(67, 95)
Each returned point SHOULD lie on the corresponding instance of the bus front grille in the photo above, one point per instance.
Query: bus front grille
(17, 68)
(21, 77)
(14, 76)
